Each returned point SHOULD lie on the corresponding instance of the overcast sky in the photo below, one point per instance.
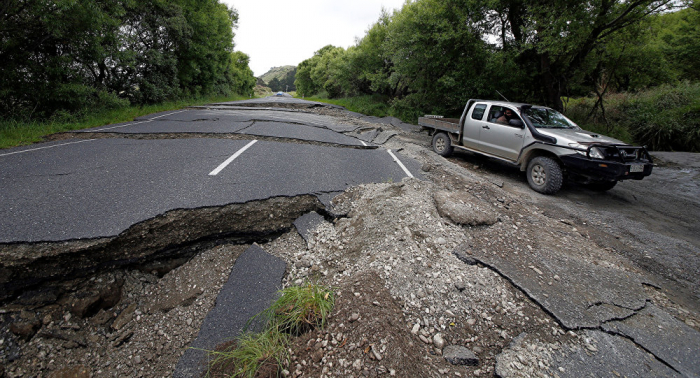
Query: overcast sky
(283, 32)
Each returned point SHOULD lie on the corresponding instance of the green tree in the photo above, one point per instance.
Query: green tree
(560, 35)
(274, 84)
(73, 55)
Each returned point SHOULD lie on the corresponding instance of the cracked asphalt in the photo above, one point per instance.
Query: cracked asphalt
(92, 188)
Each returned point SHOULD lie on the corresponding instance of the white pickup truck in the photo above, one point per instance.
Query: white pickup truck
(542, 142)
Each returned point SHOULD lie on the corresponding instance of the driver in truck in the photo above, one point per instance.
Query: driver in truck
(507, 116)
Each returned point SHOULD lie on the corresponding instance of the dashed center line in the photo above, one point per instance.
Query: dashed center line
(232, 158)
(408, 173)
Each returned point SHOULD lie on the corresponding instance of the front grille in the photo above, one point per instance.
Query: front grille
(625, 154)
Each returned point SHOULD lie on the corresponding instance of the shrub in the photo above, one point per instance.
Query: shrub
(664, 118)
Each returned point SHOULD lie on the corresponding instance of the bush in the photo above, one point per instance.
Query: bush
(664, 118)
(667, 119)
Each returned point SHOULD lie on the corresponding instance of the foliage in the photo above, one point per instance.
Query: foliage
(299, 309)
(73, 55)
(431, 55)
(372, 105)
(665, 118)
(280, 78)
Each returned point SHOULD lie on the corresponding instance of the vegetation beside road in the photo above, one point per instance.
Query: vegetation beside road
(664, 118)
(430, 56)
(66, 58)
(372, 105)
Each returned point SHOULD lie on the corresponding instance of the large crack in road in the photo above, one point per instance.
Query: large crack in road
(172, 235)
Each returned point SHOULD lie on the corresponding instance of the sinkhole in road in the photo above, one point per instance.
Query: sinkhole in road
(36, 274)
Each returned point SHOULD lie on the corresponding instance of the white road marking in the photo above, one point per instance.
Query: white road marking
(408, 173)
(363, 143)
(131, 124)
(42, 148)
(232, 158)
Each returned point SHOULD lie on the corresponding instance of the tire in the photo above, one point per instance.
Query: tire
(544, 175)
(601, 186)
(442, 145)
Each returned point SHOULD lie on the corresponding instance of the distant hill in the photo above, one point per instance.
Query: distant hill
(277, 72)
(280, 78)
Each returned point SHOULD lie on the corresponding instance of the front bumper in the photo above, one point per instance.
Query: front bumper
(606, 170)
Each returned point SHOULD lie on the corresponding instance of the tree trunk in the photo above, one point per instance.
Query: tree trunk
(551, 84)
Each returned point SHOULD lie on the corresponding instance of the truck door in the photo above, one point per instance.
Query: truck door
(472, 126)
(499, 138)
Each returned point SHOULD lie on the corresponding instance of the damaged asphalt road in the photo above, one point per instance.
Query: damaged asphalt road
(160, 209)
(75, 196)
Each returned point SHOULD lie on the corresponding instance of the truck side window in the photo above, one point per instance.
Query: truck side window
(478, 112)
(501, 115)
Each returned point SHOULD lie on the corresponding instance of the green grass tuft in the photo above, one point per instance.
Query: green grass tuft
(299, 309)
(249, 353)
(302, 308)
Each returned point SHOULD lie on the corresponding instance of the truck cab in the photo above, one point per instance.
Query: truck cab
(542, 142)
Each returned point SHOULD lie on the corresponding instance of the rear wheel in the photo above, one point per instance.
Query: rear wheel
(601, 186)
(544, 175)
(442, 144)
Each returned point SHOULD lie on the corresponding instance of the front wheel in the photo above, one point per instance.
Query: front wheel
(544, 175)
(442, 144)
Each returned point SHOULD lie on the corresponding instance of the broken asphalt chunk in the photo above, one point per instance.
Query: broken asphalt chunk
(306, 223)
(251, 288)
(596, 354)
(669, 339)
(587, 294)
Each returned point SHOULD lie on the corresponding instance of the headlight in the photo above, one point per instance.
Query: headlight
(596, 153)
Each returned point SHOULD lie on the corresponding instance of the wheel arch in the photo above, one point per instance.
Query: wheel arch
(535, 152)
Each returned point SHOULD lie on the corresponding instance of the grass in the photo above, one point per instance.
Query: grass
(664, 118)
(249, 353)
(298, 310)
(15, 133)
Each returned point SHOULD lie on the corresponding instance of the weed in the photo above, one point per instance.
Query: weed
(299, 309)
(302, 308)
(250, 353)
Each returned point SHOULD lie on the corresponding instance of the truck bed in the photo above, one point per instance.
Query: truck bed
(450, 125)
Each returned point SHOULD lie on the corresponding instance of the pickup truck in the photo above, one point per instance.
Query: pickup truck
(542, 142)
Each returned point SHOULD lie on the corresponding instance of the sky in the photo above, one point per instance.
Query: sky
(284, 32)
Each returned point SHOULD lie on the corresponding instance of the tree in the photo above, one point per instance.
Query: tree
(560, 35)
(73, 55)
(274, 84)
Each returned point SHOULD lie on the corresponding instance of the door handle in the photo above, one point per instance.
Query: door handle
(486, 127)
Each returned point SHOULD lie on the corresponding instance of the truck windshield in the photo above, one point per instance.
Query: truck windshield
(549, 119)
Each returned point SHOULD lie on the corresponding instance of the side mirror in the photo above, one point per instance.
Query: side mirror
(516, 123)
